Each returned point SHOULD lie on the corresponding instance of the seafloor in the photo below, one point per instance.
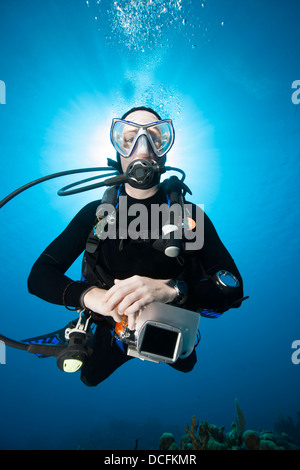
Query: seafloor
(203, 436)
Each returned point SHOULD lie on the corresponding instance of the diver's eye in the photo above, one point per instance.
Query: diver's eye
(156, 138)
(128, 138)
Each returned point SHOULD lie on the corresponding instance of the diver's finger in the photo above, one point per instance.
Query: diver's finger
(132, 321)
(137, 307)
(117, 317)
(116, 298)
(128, 301)
(117, 293)
(115, 288)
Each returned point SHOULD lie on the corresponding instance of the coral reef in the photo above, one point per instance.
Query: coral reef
(204, 436)
(288, 427)
(166, 441)
(240, 420)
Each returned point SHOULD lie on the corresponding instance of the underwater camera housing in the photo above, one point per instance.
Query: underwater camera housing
(163, 333)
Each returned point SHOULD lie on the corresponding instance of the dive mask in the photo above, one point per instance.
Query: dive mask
(125, 134)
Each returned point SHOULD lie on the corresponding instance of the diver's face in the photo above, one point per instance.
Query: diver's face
(142, 149)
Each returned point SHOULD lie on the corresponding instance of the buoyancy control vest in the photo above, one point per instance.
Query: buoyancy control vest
(107, 212)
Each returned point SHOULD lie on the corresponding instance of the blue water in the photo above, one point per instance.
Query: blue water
(223, 71)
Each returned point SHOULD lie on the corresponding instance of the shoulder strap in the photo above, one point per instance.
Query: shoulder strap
(90, 269)
(175, 191)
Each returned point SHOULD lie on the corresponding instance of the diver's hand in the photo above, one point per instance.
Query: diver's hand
(131, 295)
(93, 300)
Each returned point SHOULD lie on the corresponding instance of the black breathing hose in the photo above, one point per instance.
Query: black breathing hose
(52, 176)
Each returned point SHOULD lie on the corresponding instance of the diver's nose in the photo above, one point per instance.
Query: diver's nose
(142, 147)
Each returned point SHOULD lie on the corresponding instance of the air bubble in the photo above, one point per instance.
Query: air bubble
(147, 25)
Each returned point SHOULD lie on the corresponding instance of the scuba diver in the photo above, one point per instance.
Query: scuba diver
(125, 276)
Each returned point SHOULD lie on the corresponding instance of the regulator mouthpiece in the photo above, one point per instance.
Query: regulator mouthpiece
(144, 174)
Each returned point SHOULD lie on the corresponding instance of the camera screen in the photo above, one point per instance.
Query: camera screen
(159, 341)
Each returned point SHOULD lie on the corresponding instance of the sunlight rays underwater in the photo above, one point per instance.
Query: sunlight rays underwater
(141, 42)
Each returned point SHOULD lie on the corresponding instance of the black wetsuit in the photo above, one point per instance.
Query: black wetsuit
(122, 259)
